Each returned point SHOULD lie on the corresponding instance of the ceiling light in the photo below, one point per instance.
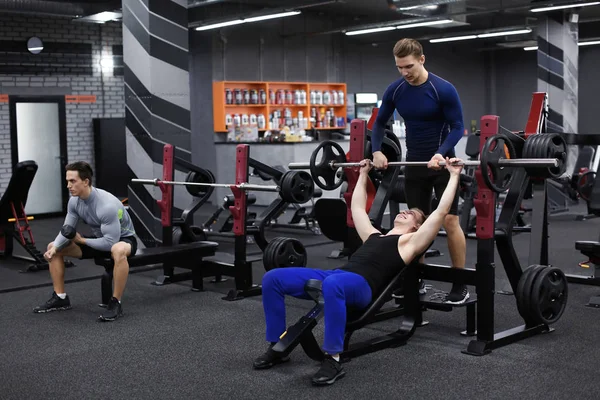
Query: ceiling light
(529, 48)
(425, 23)
(244, 20)
(271, 16)
(220, 25)
(550, 8)
(590, 43)
(383, 29)
(505, 33)
(452, 39)
(101, 18)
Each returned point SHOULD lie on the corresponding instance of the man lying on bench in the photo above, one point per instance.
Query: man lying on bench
(113, 237)
(368, 271)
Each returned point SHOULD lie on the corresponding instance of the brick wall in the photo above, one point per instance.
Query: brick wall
(69, 64)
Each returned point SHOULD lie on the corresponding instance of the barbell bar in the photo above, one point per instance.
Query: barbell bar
(295, 187)
(520, 162)
(242, 186)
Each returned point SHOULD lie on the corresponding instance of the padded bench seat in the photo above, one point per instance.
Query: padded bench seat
(186, 255)
(158, 255)
(586, 246)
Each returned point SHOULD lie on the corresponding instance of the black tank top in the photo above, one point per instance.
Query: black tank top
(377, 260)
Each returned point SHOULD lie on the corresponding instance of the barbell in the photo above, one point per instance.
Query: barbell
(497, 161)
(295, 187)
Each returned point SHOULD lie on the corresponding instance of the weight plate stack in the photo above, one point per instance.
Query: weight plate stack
(282, 252)
(297, 187)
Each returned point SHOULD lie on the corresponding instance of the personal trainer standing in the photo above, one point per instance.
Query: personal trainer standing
(432, 112)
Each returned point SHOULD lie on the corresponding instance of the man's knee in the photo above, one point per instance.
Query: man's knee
(120, 251)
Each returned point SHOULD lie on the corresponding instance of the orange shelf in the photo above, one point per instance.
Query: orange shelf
(221, 108)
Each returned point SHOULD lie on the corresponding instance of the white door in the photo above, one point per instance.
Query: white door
(38, 139)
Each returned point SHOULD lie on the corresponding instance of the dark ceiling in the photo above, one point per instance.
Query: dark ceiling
(341, 15)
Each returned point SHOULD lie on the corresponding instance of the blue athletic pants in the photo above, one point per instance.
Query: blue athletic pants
(340, 288)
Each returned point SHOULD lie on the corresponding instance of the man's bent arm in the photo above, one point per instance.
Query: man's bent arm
(111, 231)
(71, 219)
(362, 223)
(452, 109)
(385, 112)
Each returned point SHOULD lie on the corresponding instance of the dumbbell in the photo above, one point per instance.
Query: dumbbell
(68, 231)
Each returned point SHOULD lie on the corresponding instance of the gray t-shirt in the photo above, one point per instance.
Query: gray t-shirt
(102, 212)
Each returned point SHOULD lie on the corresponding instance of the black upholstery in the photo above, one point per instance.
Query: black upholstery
(186, 252)
(472, 146)
(18, 188)
(331, 216)
(588, 247)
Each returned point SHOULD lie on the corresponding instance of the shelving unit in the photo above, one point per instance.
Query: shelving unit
(274, 95)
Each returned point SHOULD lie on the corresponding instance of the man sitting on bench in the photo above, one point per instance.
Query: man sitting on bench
(113, 237)
(368, 271)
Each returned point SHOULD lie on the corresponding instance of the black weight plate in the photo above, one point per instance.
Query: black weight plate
(527, 288)
(284, 252)
(201, 176)
(496, 177)
(520, 293)
(585, 184)
(323, 175)
(549, 296)
(557, 148)
(269, 259)
(297, 187)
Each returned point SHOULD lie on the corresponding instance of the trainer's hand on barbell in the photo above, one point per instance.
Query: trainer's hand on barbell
(380, 161)
(434, 163)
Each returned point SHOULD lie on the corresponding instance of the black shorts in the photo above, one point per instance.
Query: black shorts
(89, 253)
(419, 182)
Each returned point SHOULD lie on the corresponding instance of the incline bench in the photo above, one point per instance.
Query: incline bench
(410, 310)
(188, 255)
(592, 250)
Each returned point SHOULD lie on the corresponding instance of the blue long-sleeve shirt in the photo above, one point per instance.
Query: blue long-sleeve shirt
(102, 212)
(432, 114)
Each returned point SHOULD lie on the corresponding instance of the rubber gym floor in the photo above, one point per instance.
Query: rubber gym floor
(173, 343)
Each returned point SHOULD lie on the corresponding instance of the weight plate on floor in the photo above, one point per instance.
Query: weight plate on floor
(549, 296)
(284, 252)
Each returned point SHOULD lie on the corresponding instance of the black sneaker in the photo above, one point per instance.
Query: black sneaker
(54, 304)
(399, 293)
(458, 295)
(269, 359)
(113, 311)
(329, 372)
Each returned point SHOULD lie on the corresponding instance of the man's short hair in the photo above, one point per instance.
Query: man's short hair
(406, 47)
(84, 169)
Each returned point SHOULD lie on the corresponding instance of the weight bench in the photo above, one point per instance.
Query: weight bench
(590, 249)
(187, 255)
(301, 332)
